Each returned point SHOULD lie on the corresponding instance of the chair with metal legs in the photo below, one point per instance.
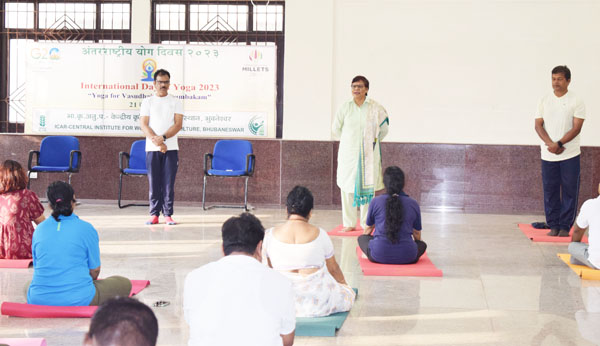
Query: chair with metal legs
(57, 154)
(230, 159)
(132, 164)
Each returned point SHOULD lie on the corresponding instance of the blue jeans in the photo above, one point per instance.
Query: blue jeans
(162, 169)
(561, 191)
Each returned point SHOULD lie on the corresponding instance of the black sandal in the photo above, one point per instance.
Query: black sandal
(540, 225)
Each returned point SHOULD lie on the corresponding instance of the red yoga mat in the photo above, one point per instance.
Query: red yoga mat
(46, 311)
(23, 341)
(15, 263)
(137, 286)
(539, 235)
(358, 230)
(424, 267)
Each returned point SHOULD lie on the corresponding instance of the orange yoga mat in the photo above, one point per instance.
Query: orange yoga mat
(358, 230)
(584, 272)
(46, 311)
(424, 267)
(539, 235)
(15, 263)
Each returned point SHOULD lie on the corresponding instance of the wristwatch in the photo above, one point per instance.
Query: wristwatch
(560, 145)
(165, 138)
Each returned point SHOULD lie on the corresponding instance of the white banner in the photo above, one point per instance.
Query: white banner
(98, 89)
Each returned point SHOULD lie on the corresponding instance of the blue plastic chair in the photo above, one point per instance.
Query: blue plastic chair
(231, 158)
(57, 154)
(132, 164)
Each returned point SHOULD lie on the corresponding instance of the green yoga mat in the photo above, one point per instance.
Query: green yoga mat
(321, 326)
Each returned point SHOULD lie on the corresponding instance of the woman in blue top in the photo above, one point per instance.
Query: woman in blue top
(396, 221)
(66, 258)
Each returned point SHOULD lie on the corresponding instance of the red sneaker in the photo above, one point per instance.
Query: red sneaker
(169, 221)
(153, 220)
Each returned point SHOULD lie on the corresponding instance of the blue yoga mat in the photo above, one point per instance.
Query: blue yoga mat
(321, 326)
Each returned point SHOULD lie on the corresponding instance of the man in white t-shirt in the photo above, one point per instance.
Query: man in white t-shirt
(237, 300)
(589, 218)
(161, 118)
(558, 121)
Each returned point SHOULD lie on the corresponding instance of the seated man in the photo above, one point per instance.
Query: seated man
(122, 322)
(237, 300)
(589, 216)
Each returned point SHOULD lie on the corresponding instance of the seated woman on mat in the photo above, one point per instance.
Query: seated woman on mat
(397, 221)
(18, 208)
(66, 258)
(304, 253)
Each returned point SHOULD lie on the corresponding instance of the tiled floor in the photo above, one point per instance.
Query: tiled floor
(498, 287)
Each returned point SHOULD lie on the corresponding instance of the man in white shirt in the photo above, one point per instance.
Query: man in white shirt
(558, 122)
(161, 118)
(237, 300)
(589, 217)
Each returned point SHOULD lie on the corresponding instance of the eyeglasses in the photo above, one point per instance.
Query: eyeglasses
(357, 86)
(163, 82)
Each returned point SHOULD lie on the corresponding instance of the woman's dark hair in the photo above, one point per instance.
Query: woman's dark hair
(60, 196)
(393, 179)
(299, 201)
(12, 177)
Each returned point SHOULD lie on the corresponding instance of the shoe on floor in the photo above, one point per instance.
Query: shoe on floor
(563, 233)
(170, 221)
(553, 233)
(153, 220)
(540, 225)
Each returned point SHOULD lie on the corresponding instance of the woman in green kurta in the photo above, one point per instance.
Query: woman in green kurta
(360, 124)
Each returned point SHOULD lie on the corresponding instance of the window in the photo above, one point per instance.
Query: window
(115, 16)
(170, 17)
(68, 16)
(268, 18)
(19, 15)
(219, 17)
(214, 22)
(106, 21)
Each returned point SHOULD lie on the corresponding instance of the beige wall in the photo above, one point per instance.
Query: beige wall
(308, 61)
(447, 71)
(141, 11)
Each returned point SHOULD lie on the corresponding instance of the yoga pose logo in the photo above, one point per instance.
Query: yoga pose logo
(149, 66)
(256, 125)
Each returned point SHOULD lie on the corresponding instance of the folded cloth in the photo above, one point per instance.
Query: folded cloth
(540, 225)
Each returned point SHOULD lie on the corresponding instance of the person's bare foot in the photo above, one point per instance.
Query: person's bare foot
(347, 229)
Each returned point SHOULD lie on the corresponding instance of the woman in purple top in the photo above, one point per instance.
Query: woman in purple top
(393, 233)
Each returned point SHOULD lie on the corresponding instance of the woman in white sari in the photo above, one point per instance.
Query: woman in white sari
(304, 253)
